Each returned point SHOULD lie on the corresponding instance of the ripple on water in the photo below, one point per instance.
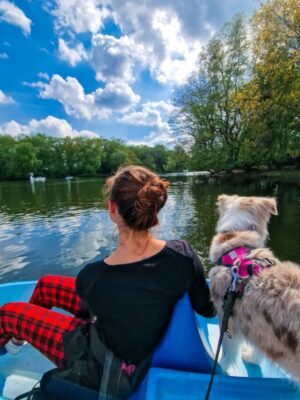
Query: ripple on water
(58, 228)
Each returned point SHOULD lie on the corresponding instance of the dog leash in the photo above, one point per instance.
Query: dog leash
(228, 304)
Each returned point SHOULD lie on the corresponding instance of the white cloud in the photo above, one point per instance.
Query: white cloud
(101, 103)
(3, 56)
(155, 115)
(34, 84)
(13, 128)
(50, 126)
(70, 94)
(43, 50)
(156, 42)
(170, 52)
(116, 96)
(180, 55)
(80, 15)
(5, 99)
(198, 19)
(164, 36)
(43, 75)
(57, 127)
(114, 58)
(12, 14)
(72, 55)
(161, 136)
(151, 114)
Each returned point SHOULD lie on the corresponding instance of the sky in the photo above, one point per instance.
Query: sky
(104, 68)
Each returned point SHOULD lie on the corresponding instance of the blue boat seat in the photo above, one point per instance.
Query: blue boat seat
(180, 349)
(161, 384)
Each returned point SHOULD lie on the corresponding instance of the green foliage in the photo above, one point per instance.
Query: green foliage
(22, 157)
(152, 157)
(272, 114)
(178, 160)
(56, 157)
(208, 112)
(242, 107)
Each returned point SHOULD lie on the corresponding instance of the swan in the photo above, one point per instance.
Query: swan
(37, 179)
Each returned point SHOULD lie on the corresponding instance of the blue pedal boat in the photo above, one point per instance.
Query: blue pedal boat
(180, 368)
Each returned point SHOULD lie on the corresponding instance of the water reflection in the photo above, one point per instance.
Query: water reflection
(60, 225)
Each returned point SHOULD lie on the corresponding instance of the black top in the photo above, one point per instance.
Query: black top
(133, 302)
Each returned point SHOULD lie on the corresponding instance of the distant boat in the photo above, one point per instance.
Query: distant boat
(187, 173)
(69, 177)
(36, 179)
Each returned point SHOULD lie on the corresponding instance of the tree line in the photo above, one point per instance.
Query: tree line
(241, 108)
(60, 157)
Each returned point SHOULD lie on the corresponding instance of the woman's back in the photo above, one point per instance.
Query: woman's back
(133, 302)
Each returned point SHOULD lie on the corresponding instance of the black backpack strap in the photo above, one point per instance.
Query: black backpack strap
(113, 383)
(33, 394)
(26, 396)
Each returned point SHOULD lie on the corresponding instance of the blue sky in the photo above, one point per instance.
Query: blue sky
(101, 67)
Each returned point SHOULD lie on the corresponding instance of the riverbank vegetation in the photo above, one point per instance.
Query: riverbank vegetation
(57, 157)
(241, 108)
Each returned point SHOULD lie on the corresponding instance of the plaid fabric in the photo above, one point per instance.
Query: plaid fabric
(56, 291)
(39, 326)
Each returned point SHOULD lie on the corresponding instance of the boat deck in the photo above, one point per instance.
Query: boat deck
(19, 373)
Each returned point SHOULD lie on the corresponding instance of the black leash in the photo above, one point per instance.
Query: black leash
(228, 305)
(33, 394)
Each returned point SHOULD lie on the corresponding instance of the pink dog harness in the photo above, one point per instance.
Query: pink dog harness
(128, 368)
(246, 266)
(242, 268)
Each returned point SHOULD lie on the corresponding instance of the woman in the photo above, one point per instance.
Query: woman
(129, 295)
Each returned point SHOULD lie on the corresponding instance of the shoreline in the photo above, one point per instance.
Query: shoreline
(205, 174)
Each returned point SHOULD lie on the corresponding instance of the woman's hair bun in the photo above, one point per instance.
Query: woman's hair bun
(139, 194)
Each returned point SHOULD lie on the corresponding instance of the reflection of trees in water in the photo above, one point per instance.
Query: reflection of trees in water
(284, 229)
(177, 216)
(50, 198)
(205, 192)
(35, 246)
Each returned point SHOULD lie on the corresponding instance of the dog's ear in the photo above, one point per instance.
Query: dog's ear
(270, 204)
(223, 200)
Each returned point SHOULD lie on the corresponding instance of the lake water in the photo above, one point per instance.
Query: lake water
(57, 226)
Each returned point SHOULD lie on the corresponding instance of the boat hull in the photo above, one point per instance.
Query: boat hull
(19, 373)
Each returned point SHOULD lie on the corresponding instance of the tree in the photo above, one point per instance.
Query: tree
(6, 145)
(208, 114)
(47, 154)
(22, 160)
(114, 155)
(88, 155)
(270, 102)
(177, 160)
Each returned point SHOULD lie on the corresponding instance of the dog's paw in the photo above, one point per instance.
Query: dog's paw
(249, 355)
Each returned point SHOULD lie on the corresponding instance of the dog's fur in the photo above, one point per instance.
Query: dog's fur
(268, 314)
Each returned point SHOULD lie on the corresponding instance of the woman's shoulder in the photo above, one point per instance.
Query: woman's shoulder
(181, 247)
(93, 267)
(88, 275)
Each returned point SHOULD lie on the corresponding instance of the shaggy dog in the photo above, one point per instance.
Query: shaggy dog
(268, 313)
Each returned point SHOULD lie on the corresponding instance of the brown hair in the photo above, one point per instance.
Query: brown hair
(139, 195)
